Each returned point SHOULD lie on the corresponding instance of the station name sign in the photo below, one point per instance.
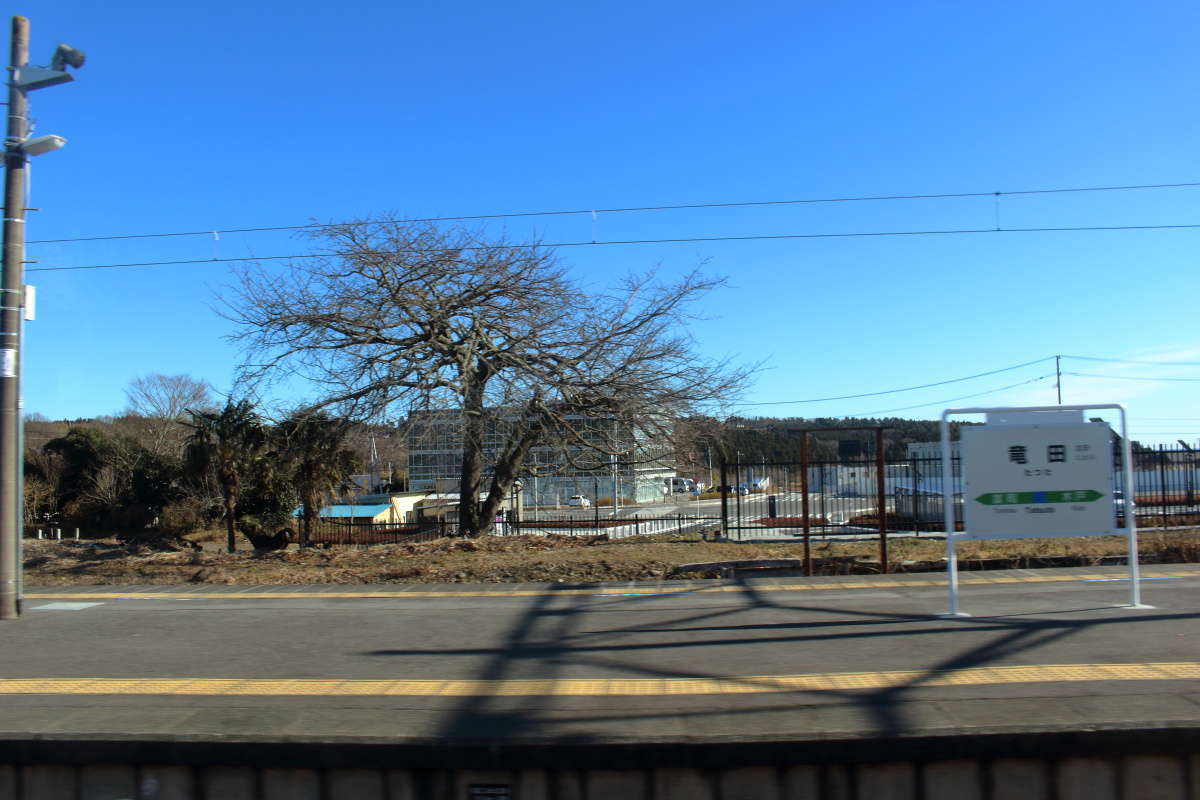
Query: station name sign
(1037, 480)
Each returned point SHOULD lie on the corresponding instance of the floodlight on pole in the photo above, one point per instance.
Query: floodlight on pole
(39, 145)
(28, 77)
(67, 56)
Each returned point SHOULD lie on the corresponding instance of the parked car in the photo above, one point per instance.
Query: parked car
(742, 490)
(579, 501)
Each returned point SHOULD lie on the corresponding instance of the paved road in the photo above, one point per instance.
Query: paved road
(756, 659)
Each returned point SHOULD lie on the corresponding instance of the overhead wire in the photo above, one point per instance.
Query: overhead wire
(905, 389)
(632, 209)
(952, 399)
(695, 206)
(1128, 377)
(1131, 361)
(681, 240)
(967, 378)
(1166, 433)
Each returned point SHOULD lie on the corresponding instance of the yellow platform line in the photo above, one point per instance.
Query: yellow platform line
(66, 594)
(606, 687)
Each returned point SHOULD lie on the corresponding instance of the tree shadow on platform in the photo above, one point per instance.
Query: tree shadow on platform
(546, 641)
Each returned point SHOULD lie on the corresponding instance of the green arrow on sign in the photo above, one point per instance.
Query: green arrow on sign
(1028, 498)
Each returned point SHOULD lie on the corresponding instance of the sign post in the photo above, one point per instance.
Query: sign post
(1037, 472)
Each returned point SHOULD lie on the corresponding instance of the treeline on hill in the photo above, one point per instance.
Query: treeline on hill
(755, 438)
(177, 460)
(778, 440)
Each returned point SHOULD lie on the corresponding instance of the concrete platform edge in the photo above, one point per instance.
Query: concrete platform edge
(713, 753)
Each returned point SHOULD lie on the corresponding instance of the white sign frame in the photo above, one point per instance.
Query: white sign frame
(1017, 412)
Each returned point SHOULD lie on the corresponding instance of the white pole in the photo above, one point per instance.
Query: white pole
(1135, 589)
(616, 503)
(948, 517)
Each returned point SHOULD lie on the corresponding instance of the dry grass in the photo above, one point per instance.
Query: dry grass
(544, 559)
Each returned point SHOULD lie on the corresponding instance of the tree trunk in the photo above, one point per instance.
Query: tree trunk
(470, 521)
(307, 515)
(230, 509)
(505, 474)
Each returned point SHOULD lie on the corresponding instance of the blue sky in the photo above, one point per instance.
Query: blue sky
(190, 117)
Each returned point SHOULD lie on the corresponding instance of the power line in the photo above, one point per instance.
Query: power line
(1166, 433)
(1129, 377)
(1129, 361)
(952, 399)
(906, 389)
(760, 237)
(632, 209)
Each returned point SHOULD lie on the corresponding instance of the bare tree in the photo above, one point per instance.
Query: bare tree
(406, 317)
(106, 488)
(43, 483)
(164, 401)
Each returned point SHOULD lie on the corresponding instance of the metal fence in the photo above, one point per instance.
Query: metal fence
(362, 534)
(843, 499)
(789, 501)
(1166, 486)
(856, 498)
(328, 533)
(616, 526)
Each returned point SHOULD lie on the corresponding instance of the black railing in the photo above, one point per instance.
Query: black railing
(362, 534)
(765, 499)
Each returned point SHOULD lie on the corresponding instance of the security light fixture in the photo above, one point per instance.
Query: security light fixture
(67, 56)
(29, 77)
(41, 144)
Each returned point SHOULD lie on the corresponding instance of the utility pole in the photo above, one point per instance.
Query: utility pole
(1058, 377)
(18, 147)
(10, 327)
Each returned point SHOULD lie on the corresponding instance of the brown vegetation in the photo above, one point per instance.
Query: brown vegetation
(566, 559)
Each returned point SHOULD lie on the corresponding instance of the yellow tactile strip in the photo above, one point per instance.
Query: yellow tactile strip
(600, 591)
(610, 687)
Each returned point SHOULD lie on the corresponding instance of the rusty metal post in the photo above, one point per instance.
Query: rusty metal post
(914, 475)
(808, 563)
(880, 490)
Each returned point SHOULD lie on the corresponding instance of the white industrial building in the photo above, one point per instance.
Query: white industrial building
(553, 472)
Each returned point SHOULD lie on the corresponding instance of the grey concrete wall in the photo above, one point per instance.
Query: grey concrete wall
(1070, 765)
